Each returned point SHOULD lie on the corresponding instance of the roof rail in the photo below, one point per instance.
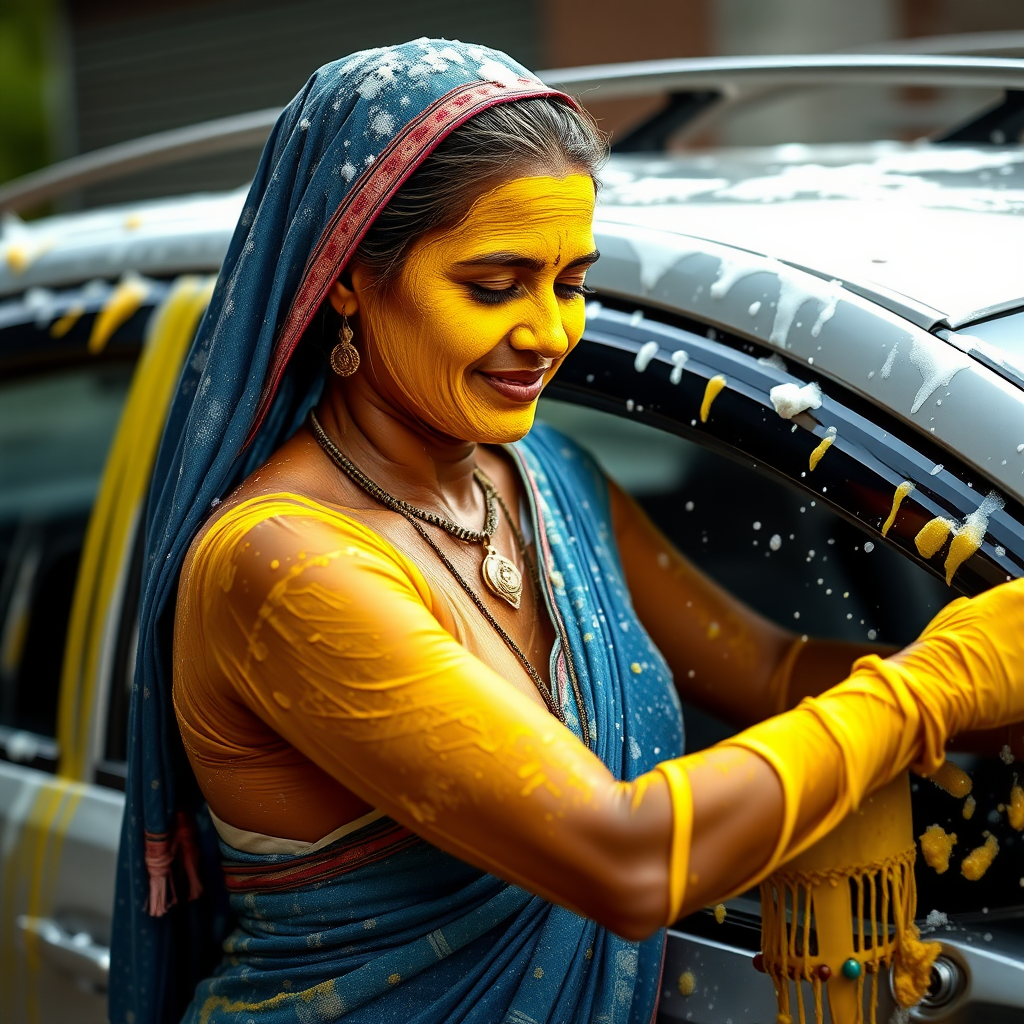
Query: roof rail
(736, 74)
(965, 44)
(725, 76)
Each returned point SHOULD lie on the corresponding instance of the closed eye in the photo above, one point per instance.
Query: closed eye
(496, 296)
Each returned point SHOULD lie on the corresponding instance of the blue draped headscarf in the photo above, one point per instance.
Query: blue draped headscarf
(339, 151)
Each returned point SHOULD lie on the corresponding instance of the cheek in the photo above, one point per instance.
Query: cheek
(460, 330)
(574, 319)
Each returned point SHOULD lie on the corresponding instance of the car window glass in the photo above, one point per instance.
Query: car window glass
(787, 555)
(782, 552)
(55, 431)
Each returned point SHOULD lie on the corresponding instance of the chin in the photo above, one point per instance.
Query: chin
(504, 427)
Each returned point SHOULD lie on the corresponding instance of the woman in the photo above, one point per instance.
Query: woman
(417, 674)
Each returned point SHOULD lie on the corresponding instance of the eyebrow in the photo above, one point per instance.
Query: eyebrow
(514, 259)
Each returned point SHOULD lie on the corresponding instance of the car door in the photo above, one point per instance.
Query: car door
(801, 540)
(79, 425)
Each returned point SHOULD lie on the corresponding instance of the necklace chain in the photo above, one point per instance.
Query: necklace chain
(398, 505)
(413, 514)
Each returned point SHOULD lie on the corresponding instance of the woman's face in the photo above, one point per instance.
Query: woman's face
(482, 314)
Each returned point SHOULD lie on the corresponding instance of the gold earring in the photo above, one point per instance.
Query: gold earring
(344, 355)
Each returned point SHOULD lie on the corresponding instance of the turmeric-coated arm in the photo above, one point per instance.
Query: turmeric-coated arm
(336, 648)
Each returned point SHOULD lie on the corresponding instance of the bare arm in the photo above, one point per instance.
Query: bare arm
(726, 658)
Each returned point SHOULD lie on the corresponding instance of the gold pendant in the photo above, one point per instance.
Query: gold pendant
(502, 577)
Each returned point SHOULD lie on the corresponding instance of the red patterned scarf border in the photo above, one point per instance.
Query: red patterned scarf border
(381, 839)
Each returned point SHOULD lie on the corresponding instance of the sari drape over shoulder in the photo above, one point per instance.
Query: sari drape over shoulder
(383, 926)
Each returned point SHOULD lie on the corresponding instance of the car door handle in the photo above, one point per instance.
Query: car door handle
(77, 953)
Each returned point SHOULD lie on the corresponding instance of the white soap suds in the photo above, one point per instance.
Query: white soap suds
(775, 542)
(938, 364)
(829, 309)
(935, 919)
(790, 399)
(1006, 754)
(648, 350)
(889, 360)
(679, 358)
(869, 546)
(936, 469)
(775, 361)
(795, 288)
(754, 308)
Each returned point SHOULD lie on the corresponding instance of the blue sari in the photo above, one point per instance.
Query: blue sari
(381, 926)
(357, 130)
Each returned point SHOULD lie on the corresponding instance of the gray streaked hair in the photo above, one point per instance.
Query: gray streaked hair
(535, 136)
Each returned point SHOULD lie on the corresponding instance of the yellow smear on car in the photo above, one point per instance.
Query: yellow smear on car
(17, 258)
(118, 504)
(936, 845)
(1015, 809)
(711, 392)
(967, 540)
(826, 442)
(953, 779)
(979, 860)
(687, 983)
(61, 326)
(932, 536)
(968, 809)
(897, 499)
(967, 536)
(124, 300)
(720, 912)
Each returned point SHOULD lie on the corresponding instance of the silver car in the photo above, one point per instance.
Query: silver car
(887, 278)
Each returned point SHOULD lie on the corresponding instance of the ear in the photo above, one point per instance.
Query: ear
(342, 296)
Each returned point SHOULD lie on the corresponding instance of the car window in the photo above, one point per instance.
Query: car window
(788, 556)
(799, 563)
(55, 431)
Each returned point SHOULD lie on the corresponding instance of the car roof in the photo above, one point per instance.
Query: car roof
(764, 244)
(939, 226)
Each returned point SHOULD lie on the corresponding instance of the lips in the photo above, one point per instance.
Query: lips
(517, 385)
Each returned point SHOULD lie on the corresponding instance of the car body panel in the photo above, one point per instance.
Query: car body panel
(901, 218)
(928, 383)
(725, 258)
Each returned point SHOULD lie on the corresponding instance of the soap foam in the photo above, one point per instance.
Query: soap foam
(648, 350)
(790, 399)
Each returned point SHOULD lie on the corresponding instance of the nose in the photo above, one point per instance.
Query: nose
(543, 331)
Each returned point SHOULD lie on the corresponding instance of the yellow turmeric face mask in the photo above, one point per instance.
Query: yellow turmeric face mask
(483, 313)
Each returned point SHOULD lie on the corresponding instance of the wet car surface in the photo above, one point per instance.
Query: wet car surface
(888, 275)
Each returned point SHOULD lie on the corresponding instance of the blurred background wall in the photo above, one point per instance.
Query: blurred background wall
(76, 75)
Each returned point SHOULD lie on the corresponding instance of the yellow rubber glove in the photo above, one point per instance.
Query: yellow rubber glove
(965, 672)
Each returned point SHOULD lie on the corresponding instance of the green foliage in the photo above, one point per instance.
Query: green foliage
(26, 85)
